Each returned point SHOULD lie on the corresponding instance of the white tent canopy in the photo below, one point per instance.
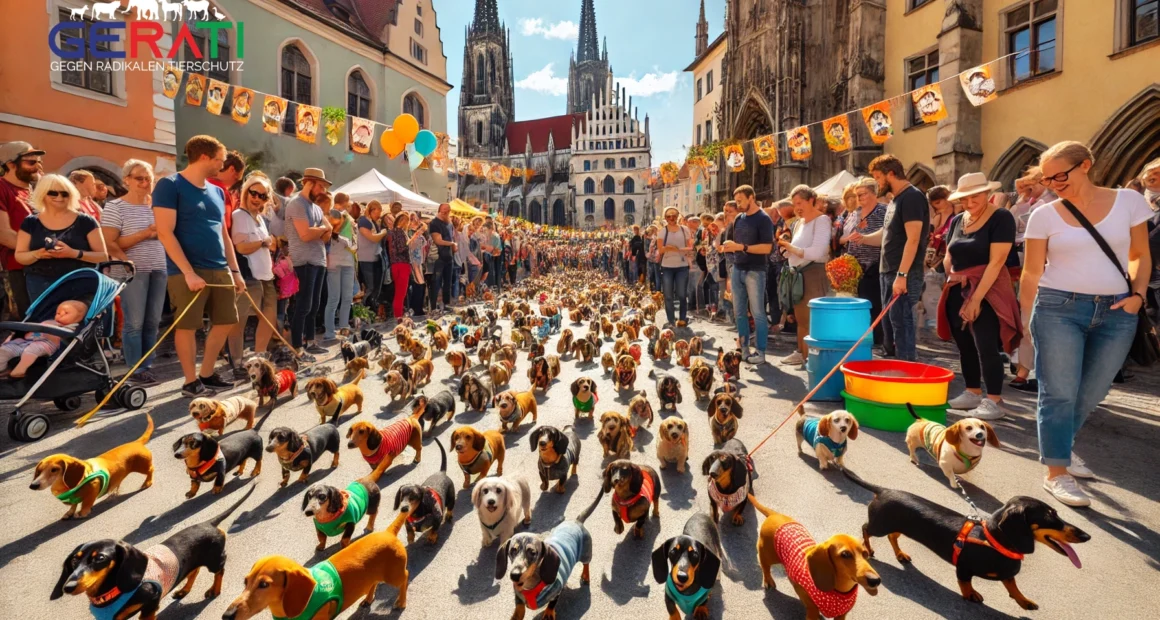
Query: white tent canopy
(833, 186)
(374, 185)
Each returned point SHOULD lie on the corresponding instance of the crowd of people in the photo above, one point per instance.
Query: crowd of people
(994, 272)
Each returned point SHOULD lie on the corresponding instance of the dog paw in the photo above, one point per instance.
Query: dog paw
(1027, 604)
(619, 529)
(544, 486)
(973, 597)
(769, 584)
(190, 495)
(211, 593)
(180, 594)
(320, 547)
(902, 557)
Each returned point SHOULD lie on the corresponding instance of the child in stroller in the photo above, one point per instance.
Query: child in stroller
(69, 315)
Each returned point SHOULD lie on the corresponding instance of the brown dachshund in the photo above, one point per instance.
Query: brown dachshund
(673, 443)
(458, 361)
(564, 345)
(607, 362)
(514, 407)
(724, 411)
(633, 488)
(625, 374)
(354, 367)
(615, 437)
(376, 445)
(214, 415)
(476, 451)
(701, 378)
(500, 372)
(331, 400)
(681, 348)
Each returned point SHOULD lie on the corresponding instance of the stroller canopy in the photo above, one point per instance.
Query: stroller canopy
(86, 285)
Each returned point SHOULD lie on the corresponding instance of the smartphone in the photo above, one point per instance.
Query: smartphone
(50, 242)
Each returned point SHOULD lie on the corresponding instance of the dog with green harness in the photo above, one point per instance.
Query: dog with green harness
(336, 512)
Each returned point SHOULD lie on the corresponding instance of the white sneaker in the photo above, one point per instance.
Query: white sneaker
(757, 358)
(794, 359)
(987, 410)
(965, 401)
(1067, 491)
(1078, 468)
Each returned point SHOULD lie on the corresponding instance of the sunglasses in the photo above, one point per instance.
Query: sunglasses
(57, 193)
(258, 195)
(141, 179)
(1061, 177)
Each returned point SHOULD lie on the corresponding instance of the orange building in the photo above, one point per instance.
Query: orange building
(84, 118)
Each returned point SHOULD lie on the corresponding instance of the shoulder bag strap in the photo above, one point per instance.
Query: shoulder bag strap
(1087, 225)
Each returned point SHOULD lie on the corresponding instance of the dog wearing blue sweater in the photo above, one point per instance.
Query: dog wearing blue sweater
(828, 436)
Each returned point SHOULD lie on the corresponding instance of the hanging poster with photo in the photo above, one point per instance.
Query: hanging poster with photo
(171, 81)
(837, 133)
(501, 174)
(242, 104)
(216, 96)
(462, 166)
(766, 149)
(798, 143)
(273, 109)
(362, 133)
(306, 125)
(878, 121)
(439, 159)
(979, 85)
(928, 100)
(735, 158)
(195, 89)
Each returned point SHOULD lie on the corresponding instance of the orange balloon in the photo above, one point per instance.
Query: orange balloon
(406, 127)
(392, 145)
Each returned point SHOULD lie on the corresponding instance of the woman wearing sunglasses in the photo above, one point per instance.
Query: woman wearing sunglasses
(1084, 316)
(253, 244)
(130, 234)
(58, 238)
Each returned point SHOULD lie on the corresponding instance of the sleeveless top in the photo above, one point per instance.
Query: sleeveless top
(355, 499)
(327, 588)
(791, 541)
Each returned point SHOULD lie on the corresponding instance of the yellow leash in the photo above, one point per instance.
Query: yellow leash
(85, 418)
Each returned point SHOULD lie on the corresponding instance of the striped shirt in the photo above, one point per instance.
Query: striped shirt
(147, 255)
(867, 254)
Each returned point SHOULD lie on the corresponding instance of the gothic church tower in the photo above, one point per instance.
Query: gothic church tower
(487, 92)
(588, 70)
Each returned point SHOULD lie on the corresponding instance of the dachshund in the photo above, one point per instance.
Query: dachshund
(536, 349)
(688, 565)
(428, 506)
(352, 350)
(828, 436)
(331, 400)
(625, 375)
(651, 332)
(606, 327)
(208, 459)
(640, 413)
(397, 386)
(559, 453)
(506, 352)
(668, 390)
(633, 488)
(297, 452)
(371, 336)
(422, 370)
(476, 391)
(476, 451)
(729, 364)
(673, 444)
(991, 548)
(957, 448)
(431, 409)
(608, 362)
(696, 346)
(81, 483)
(564, 345)
(458, 361)
(681, 348)
(486, 351)
(724, 412)
(627, 329)
(335, 512)
(701, 378)
(615, 435)
(378, 445)
(543, 371)
(386, 359)
(825, 575)
(492, 495)
(214, 415)
(121, 580)
(270, 383)
(730, 472)
(584, 396)
(620, 347)
(662, 351)
(501, 373)
(514, 407)
(354, 367)
(584, 350)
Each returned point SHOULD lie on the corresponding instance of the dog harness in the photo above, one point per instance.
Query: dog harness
(933, 438)
(289, 463)
(393, 439)
(204, 466)
(327, 588)
(437, 514)
(727, 502)
(724, 428)
(559, 469)
(625, 377)
(791, 542)
(513, 417)
(567, 540)
(284, 379)
(586, 406)
(162, 569)
(73, 495)
(646, 492)
(686, 601)
(354, 507)
(964, 537)
(472, 466)
(810, 433)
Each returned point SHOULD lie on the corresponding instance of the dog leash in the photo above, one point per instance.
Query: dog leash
(975, 514)
(838, 366)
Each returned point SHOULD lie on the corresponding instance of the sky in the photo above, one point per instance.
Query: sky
(650, 42)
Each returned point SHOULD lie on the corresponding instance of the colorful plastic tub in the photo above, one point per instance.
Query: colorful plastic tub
(839, 319)
(887, 417)
(895, 382)
(824, 355)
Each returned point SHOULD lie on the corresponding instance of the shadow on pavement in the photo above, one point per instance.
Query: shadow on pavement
(630, 574)
(477, 582)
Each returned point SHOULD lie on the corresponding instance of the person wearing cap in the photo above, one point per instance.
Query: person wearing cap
(308, 231)
(190, 216)
(978, 308)
(22, 167)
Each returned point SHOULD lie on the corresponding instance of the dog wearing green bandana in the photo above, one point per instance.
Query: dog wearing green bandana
(688, 565)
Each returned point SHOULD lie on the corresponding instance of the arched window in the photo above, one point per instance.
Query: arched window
(587, 165)
(629, 186)
(413, 105)
(623, 162)
(589, 207)
(480, 72)
(610, 163)
(558, 213)
(610, 209)
(479, 132)
(609, 185)
(358, 95)
(632, 162)
(589, 186)
(491, 67)
(513, 207)
(297, 84)
(534, 213)
(629, 206)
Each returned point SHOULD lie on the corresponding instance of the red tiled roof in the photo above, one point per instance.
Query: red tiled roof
(368, 18)
(560, 127)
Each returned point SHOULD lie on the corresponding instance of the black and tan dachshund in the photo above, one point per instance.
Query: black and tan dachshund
(729, 364)
(121, 580)
(688, 564)
(730, 472)
(992, 548)
(336, 512)
(430, 505)
(477, 391)
(298, 451)
(559, 453)
(352, 349)
(668, 390)
(209, 459)
(633, 488)
(433, 408)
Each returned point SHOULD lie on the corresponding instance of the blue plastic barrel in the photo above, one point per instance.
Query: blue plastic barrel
(839, 319)
(824, 356)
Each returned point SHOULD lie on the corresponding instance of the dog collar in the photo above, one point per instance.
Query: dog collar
(205, 466)
(530, 596)
(965, 537)
(338, 513)
(106, 598)
(294, 457)
(492, 527)
(412, 519)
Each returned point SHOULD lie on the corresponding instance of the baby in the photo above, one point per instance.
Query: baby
(35, 345)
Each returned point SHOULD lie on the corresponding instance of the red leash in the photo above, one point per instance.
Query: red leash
(833, 370)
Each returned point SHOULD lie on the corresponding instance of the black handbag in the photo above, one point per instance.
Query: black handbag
(1145, 349)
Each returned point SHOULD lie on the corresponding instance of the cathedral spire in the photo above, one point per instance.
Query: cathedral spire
(486, 17)
(702, 32)
(589, 45)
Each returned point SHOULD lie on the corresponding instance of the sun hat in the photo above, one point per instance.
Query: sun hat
(971, 184)
(315, 174)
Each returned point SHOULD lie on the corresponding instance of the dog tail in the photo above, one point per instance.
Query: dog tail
(362, 373)
(910, 408)
(442, 456)
(427, 352)
(397, 524)
(756, 504)
(144, 438)
(860, 482)
(216, 521)
(588, 511)
(258, 426)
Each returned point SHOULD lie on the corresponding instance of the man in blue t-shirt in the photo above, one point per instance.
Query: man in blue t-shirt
(443, 237)
(752, 242)
(190, 216)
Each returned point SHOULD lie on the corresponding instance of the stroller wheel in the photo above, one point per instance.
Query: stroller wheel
(14, 426)
(133, 398)
(69, 404)
(33, 427)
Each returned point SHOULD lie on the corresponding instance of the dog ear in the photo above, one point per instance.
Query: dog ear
(607, 478)
(66, 571)
(560, 443)
(349, 432)
(478, 442)
(305, 499)
(660, 561)
(399, 496)
(549, 564)
(707, 463)
(534, 439)
(824, 426)
(712, 409)
(821, 567)
(992, 438)
(954, 434)
(476, 495)
(501, 559)
(131, 565)
(710, 566)
(296, 591)
(853, 433)
(575, 387)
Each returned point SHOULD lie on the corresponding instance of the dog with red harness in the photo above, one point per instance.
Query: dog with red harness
(428, 506)
(386, 443)
(269, 382)
(634, 487)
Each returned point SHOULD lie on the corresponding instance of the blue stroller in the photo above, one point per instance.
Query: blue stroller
(80, 365)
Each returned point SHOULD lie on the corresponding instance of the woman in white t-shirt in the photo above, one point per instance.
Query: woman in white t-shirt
(807, 251)
(1084, 316)
(253, 243)
(675, 250)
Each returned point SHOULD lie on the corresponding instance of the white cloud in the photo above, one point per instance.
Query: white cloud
(650, 84)
(544, 81)
(559, 30)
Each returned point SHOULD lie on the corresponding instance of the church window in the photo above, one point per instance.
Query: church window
(589, 186)
(629, 206)
(589, 206)
(629, 188)
(413, 105)
(632, 162)
(491, 67)
(623, 162)
(587, 165)
(610, 209)
(610, 163)
(609, 185)
(296, 84)
(1030, 30)
(358, 95)
(480, 70)
(479, 132)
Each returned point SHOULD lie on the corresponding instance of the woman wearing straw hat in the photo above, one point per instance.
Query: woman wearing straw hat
(978, 309)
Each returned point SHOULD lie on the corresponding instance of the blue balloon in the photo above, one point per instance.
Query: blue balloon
(426, 142)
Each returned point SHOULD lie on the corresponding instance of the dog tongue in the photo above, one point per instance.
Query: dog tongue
(1071, 555)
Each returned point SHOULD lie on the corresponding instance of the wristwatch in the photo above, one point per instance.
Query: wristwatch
(744, 247)
(902, 274)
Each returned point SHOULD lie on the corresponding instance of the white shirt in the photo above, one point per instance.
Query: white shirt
(1075, 262)
(249, 228)
(814, 238)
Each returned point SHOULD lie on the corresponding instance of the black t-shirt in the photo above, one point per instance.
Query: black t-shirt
(636, 248)
(444, 229)
(910, 205)
(754, 229)
(973, 249)
(75, 236)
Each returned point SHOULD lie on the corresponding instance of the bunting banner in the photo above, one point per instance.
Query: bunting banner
(171, 81)
(273, 109)
(500, 174)
(837, 133)
(362, 135)
(306, 125)
(243, 102)
(335, 128)
(735, 158)
(462, 166)
(440, 160)
(518, 173)
(195, 89)
(979, 85)
(216, 97)
(765, 147)
(878, 121)
(476, 167)
(798, 143)
(928, 100)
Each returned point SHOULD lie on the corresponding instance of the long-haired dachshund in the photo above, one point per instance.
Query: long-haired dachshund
(386, 359)
(724, 412)
(428, 506)
(514, 407)
(298, 452)
(673, 443)
(729, 363)
(584, 396)
(825, 575)
(270, 383)
(559, 454)
(543, 371)
(615, 435)
(584, 350)
(476, 451)
(668, 390)
(476, 391)
(640, 413)
(328, 588)
(81, 483)
(681, 348)
(331, 400)
(508, 497)
(957, 448)
(625, 374)
(634, 487)
(564, 345)
(696, 346)
(501, 372)
(828, 436)
(688, 566)
(730, 472)
(377, 445)
(208, 459)
(121, 580)
(701, 378)
(335, 512)
(607, 362)
(214, 415)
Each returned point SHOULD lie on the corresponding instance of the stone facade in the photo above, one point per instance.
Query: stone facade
(588, 67)
(486, 95)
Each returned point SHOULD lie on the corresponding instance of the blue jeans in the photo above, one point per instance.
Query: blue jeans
(654, 276)
(372, 275)
(674, 282)
(1080, 345)
(142, 303)
(902, 328)
(442, 282)
(749, 293)
(633, 272)
(456, 287)
(340, 293)
(472, 273)
(310, 279)
(694, 291)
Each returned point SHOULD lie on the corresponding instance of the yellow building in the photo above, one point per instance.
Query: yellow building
(695, 192)
(1084, 70)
